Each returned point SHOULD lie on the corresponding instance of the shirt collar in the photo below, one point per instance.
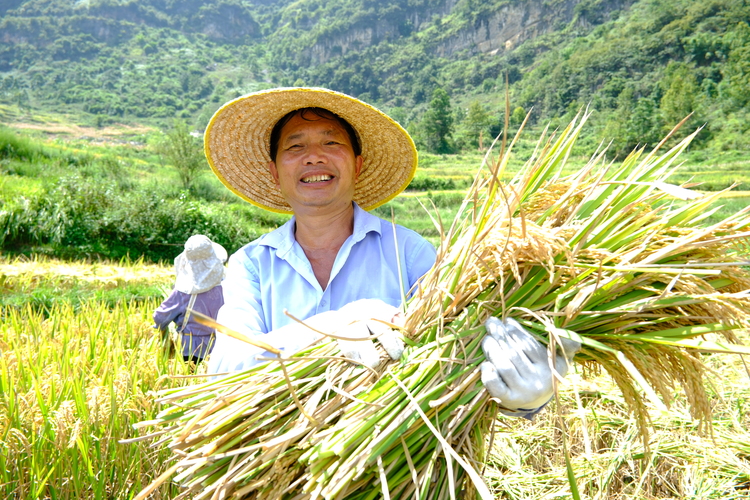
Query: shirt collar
(282, 238)
(364, 223)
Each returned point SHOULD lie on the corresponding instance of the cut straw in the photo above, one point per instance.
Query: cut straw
(603, 256)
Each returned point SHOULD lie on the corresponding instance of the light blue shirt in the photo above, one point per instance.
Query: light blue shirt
(272, 274)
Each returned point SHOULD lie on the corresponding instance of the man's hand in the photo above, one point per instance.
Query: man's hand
(517, 371)
(366, 318)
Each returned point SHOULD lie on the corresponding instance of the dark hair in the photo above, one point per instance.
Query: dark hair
(320, 113)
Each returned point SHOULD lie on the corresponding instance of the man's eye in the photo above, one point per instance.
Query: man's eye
(294, 146)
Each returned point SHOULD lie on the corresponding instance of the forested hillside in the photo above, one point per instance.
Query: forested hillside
(642, 65)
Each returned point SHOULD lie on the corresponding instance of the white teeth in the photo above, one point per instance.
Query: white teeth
(317, 178)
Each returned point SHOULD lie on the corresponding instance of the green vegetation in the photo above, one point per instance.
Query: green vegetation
(41, 285)
(436, 131)
(643, 66)
(184, 152)
(112, 202)
(44, 297)
(80, 200)
(91, 59)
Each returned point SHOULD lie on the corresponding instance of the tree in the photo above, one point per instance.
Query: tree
(517, 116)
(476, 123)
(736, 73)
(184, 152)
(680, 90)
(635, 122)
(437, 123)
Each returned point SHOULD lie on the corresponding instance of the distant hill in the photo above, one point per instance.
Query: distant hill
(643, 65)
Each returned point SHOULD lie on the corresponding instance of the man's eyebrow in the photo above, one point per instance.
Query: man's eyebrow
(298, 135)
(293, 137)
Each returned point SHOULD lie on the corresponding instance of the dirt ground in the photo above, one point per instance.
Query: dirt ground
(102, 133)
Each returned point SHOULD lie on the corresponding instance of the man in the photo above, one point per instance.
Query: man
(327, 158)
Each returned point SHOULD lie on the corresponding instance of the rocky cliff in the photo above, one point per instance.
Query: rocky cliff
(519, 21)
(40, 23)
(451, 26)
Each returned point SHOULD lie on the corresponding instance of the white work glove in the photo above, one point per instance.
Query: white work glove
(517, 371)
(364, 318)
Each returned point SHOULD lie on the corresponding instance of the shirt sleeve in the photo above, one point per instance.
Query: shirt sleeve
(243, 308)
(171, 308)
(243, 312)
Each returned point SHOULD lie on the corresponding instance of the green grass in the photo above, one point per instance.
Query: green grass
(32, 165)
(72, 200)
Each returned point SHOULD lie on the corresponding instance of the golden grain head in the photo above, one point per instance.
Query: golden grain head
(66, 425)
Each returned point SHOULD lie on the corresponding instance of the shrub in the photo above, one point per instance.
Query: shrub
(13, 146)
(83, 218)
(431, 184)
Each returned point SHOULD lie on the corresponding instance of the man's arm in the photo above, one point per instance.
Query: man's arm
(351, 321)
(243, 312)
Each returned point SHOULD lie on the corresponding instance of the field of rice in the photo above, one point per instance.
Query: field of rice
(79, 365)
(75, 377)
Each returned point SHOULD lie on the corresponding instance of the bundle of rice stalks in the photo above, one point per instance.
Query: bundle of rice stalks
(603, 256)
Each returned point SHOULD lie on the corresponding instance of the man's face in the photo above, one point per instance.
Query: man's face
(315, 166)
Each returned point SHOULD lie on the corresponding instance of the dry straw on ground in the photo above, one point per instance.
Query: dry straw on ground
(605, 256)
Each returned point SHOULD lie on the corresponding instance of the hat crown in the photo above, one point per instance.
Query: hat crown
(198, 247)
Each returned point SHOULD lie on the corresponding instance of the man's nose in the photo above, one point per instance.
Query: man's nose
(315, 155)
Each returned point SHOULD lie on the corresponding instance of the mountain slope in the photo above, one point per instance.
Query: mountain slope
(642, 64)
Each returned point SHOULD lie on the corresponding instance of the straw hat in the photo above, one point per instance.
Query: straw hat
(237, 143)
(201, 266)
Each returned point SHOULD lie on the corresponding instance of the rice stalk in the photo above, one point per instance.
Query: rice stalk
(604, 256)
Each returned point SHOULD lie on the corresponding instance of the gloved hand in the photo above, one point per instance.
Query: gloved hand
(355, 320)
(517, 371)
(364, 318)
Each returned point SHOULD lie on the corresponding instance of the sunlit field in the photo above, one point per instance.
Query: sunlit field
(79, 362)
(75, 375)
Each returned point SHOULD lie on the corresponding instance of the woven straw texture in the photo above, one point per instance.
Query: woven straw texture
(238, 136)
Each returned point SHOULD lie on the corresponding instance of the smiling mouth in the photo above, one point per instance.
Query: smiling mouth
(317, 178)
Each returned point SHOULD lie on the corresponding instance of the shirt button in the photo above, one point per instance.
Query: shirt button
(323, 302)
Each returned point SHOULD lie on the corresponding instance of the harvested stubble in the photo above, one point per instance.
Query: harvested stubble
(602, 256)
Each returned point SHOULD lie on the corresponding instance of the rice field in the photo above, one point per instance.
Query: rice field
(77, 370)
(79, 365)
(74, 377)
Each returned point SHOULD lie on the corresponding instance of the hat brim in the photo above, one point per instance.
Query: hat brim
(237, 142)
(197, 276)
(220, 252)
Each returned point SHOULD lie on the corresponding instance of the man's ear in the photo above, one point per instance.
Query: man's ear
(358, 166)
(274, 172)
